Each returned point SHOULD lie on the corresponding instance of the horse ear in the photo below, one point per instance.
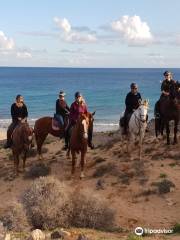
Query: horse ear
(93, 113)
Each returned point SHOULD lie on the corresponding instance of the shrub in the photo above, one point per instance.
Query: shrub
(165, 186)
(38, 170)
(14, 218)
(90, 211)
(106, 169)
(176, 228)
(48, 203)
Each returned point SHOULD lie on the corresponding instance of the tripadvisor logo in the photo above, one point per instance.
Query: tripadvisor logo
(139, 231)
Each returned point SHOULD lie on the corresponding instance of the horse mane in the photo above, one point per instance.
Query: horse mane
(145, 103)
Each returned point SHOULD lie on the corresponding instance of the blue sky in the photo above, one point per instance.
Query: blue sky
(90, 33)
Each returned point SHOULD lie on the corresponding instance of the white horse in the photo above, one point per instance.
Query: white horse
(137, 127)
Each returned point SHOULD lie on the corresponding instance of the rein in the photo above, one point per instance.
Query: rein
(138, 121)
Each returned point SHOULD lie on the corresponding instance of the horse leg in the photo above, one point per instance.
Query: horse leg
(175, 131)
(140, 145)
(82, 164)
(16, 163)
(39, 141)
(24, 161)
(167, 132)
(73, 162)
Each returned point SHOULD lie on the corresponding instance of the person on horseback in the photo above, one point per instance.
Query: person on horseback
(132, 101)
(168, 89)
(62, 109)
(77, 107)
(19, 112)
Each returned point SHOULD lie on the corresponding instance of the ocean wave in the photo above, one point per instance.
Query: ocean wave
(98, 126)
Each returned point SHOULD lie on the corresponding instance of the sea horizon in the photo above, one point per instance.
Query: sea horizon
(104, 89)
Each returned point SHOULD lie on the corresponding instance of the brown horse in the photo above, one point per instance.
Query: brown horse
(79, 139)
(21, 141)
(42, 128)
(169, 111)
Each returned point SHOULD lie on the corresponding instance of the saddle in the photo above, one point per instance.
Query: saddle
(55, 124)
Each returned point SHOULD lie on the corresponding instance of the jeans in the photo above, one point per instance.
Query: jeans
(60, 119)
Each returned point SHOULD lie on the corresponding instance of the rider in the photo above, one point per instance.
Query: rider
(168, 88)
(132, 102)
(77, 107)
(62, 109)
(18, 113)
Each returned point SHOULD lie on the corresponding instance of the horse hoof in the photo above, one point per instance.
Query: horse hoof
(82, 175)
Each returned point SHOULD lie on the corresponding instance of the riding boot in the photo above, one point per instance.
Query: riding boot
(90, 144)
(10, 130)
(66, 141)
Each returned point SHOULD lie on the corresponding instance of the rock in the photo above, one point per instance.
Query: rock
(66, 233)
(2, 231)
(37, 234)
(82, 237)
(8, 236)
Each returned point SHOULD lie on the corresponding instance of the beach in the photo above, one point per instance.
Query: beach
(130, 186)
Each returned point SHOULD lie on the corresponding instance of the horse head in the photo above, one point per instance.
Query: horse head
(27, 133)
(143, 111)
(86, 123)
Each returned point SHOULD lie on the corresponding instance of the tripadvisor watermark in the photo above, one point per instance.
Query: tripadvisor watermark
(140, 231)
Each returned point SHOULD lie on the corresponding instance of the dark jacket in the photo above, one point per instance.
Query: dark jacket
(169, 86)
(18, 112)
(62, 107)
(132, 101)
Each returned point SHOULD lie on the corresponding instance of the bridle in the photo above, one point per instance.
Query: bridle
(138, 119)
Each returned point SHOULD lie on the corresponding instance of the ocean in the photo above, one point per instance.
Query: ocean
(104, 90)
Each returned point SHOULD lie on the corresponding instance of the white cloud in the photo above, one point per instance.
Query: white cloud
(133, 30)
(10, 50)
(70, 35)
(6, 43)
(23, 55)
(63, 24)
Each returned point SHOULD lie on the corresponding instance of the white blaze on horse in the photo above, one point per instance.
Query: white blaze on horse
(79, 140)
(137, 127)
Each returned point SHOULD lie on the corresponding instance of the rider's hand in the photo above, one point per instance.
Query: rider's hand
(19, 119)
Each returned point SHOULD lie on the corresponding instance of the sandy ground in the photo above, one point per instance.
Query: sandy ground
(128, 184)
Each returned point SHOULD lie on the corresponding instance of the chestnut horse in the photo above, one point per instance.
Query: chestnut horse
(42, 128)
(22, 137)
(79, 139)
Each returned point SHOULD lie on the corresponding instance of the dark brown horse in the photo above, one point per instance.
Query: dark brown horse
(79, 139)
(42, 128)
(169, 111)
(21, 141)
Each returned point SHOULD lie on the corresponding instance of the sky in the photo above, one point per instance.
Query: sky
(90, 33)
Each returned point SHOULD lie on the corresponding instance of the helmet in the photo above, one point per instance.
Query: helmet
(133, 85)
(167, 73)
(62, 93)
(77, 94)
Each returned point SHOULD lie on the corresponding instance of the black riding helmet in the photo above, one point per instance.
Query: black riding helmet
(166, 73)
(133, 85)
(77, 94)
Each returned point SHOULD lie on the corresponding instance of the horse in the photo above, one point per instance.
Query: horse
(44, 126)
(22, 137)
(169, 109)
(137, 126)
(79, 140)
